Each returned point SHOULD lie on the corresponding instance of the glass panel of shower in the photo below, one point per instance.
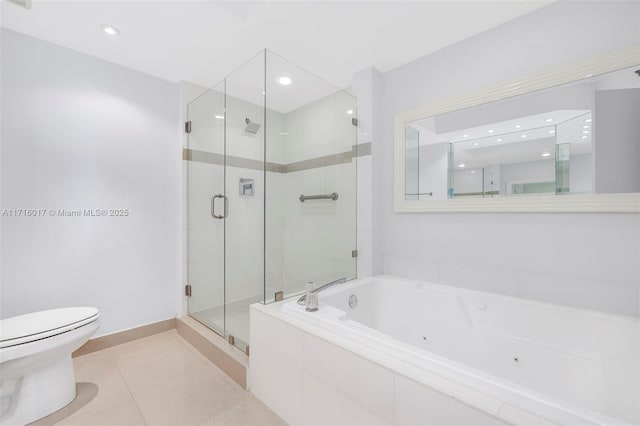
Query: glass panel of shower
(245, 182)
(311, 157)
(271, 198)
(205, 204)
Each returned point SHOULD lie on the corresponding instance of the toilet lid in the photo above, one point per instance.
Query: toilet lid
(39, 325)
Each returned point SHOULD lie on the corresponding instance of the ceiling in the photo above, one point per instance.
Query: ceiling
(202, 41)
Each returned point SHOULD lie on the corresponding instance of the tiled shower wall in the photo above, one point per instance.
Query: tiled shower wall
(319, 235)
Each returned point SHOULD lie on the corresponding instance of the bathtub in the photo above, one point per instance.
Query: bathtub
(520, 361)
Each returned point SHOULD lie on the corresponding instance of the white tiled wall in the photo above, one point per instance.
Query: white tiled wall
(309, 381)
(319, 235)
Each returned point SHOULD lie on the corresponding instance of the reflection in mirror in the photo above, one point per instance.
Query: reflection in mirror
(577, 138)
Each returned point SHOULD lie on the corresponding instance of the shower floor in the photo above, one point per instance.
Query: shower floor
(237, 321)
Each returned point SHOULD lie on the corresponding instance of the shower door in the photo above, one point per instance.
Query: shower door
(225, 202)
(206, 205)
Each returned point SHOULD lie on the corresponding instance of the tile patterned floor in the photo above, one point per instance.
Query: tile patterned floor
(158, 380)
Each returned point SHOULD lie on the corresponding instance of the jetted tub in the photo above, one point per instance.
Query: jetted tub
(564, 365)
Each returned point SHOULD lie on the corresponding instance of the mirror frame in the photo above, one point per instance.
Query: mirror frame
(611, 203)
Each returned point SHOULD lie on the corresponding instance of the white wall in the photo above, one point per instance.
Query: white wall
(81, 133)
(580, 173)
(617, 141)
(588, 260)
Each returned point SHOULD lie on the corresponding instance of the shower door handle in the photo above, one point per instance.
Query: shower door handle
(213, 207)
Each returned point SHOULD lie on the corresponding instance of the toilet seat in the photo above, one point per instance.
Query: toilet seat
(40, 325)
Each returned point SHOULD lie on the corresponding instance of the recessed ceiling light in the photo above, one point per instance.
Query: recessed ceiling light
(552, 131)
(490, 130)
(110, 30)
(285, 81)
(465, 136)
(219, 117)
(549, 120)
(588, 75)
(523, 136)
(475, 144)
(586, 126)
(546, 154)
(584, 137)
(473, 171)
(498, 140)
(461, 165)
(518, 126)
(588, 120)
(350, 112)
(585, 131)
(264, 93)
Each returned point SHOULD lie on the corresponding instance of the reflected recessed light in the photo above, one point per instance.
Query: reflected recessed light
(588, 120)
(490, 130)
(110, 30)
(518, 126)
(284, 133)
(552, 131)
(523, 136)
(546, 154)
(473, 171)
(588, 75)
(350, 112)
(461, 165)
(586, 126)
(549, 120)
(475, 144)
(264, 93)
(498, 140)
(219, 117)
(465, 136)
(585, 137)
(585, 131)
(285, 81)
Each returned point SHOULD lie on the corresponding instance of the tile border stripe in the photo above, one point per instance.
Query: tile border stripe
(359, 150)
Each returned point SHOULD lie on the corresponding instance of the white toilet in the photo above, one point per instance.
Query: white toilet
(36, 371)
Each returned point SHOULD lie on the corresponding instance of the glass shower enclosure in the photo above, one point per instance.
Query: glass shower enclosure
(271, 191)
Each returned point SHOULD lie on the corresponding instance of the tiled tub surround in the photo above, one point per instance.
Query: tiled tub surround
(419, 353)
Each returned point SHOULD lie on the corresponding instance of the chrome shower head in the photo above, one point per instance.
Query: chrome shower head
(251, 127)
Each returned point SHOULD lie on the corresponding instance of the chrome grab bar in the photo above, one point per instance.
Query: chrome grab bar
(322, 287)
(213, 207)
(333, 196)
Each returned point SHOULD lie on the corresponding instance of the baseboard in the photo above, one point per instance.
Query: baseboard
(125, 336)
(229, 359)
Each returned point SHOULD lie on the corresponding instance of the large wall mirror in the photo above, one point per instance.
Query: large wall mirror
(563, 141)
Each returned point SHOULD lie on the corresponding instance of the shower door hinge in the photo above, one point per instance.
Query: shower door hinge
(187, 126)
(187, 290)
(354, 253)
(354, 121)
